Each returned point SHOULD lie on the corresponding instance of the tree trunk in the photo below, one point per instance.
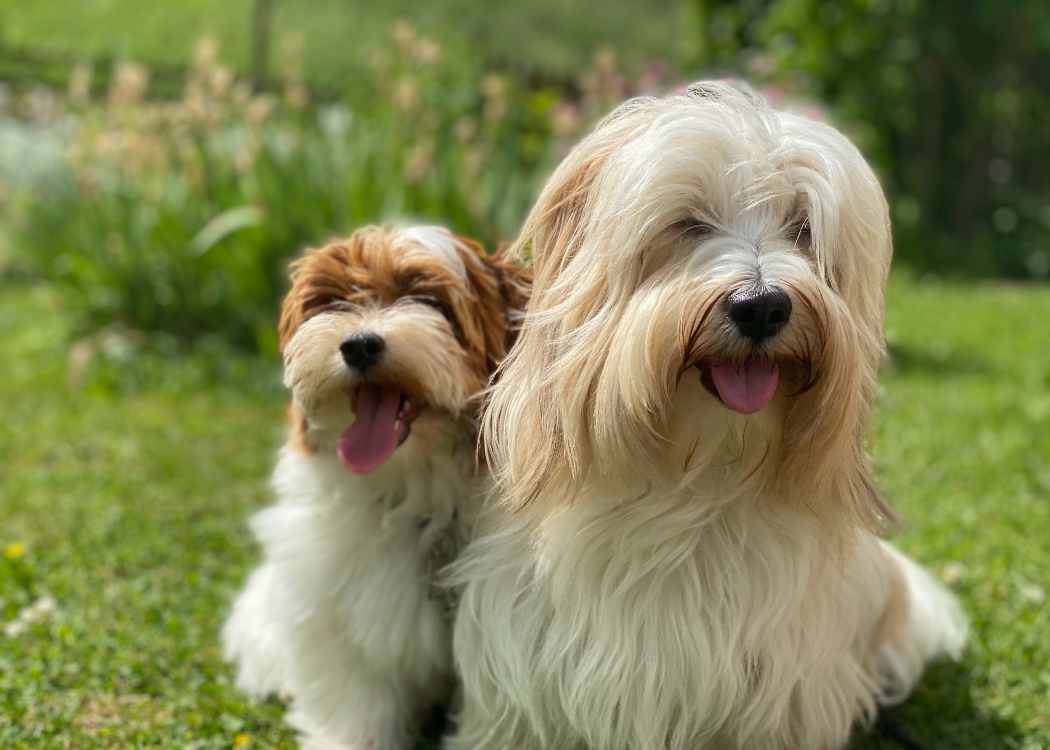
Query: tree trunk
(262, 16)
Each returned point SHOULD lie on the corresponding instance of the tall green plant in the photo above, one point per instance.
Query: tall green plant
(179, 217)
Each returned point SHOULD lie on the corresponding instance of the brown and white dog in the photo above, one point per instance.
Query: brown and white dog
(388, 337)
(686, 554)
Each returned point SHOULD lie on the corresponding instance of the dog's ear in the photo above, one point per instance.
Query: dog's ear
(824, 455)
(552, 232)
(537, 433)
(498, 292)
(293, 305)
(550, 236)
(513, 286)
(514, 277)
(851, 250)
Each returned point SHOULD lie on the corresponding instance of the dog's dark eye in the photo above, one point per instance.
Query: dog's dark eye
(799, 233)
(436, 304)
(338, 304)
(326, 303)
(439, 306)
(444, 309)
(692, 227)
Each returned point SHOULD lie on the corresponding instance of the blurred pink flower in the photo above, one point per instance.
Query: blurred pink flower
(653, 78)
(565, 119)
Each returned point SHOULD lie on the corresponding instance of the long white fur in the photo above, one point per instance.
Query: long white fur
(342, 614)
(662, 573)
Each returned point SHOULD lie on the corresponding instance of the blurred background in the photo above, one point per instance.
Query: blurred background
(160, 163)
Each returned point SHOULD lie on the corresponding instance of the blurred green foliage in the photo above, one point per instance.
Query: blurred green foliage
(179, 216)
(949, 99)
(168, 197)
(549, 38)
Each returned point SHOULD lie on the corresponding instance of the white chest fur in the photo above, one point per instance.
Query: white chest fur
(650, 626)
(344, 614)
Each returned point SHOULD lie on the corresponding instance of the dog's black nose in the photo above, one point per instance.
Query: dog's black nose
(362, 350)
(759, 313)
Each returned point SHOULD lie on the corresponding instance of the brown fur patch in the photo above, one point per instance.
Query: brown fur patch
(502, 294)
(370, 268)
(298, 434)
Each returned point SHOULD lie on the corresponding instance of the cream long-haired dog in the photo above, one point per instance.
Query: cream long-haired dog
(387, 337)
(685, 554)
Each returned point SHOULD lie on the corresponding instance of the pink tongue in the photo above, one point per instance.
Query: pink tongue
(370, 440)
(746, 387)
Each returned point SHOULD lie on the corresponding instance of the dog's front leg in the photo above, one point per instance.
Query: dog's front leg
(372, 663)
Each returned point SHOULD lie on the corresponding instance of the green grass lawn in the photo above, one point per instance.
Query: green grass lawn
(548, 36)
(125, 499)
